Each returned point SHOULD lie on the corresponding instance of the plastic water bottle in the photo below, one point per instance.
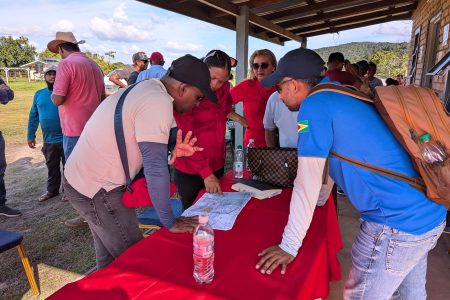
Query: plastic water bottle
(238, 165)
(431, 151)
(203, 251)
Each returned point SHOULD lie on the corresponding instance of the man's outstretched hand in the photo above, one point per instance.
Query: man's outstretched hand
(273, 257)
(184, 224)
(184, 148)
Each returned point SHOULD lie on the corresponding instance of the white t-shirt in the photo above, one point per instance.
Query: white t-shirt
(277, 115)
(95, 161)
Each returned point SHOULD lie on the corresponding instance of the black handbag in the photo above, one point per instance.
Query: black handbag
(276, 166)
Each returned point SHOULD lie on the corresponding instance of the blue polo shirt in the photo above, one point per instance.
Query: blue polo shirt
(44, 112)
(155, 71)
(331, 121)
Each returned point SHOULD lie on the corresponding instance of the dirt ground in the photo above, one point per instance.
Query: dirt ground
(57, 254)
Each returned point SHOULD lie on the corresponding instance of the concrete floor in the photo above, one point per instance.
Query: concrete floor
(438, 273)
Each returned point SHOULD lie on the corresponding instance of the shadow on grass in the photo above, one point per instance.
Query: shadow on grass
(55, 251)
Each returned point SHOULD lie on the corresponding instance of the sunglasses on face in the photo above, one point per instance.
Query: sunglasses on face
(263, 66)
(145, 61)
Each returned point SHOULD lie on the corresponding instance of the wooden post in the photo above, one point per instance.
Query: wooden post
(242, 27)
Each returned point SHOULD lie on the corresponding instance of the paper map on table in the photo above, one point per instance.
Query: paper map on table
(223, 209)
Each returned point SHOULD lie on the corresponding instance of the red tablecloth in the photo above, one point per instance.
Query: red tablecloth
(160, 266)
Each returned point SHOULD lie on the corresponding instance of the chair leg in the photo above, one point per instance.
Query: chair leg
(28, 270)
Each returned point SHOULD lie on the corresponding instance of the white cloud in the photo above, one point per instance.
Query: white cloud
(171, 45)
(119, 28)
(63, 25)
(119, 13)
(395, 28)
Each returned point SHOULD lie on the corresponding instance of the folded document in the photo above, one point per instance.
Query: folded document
(258, 189)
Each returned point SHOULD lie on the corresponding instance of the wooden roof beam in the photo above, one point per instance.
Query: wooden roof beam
(297, 23)
(404, 16)
(232, 9)
(357, 18)
(298, 12)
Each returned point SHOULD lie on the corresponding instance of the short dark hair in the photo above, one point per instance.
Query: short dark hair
(391, 81)
(336, 57)
(373, 65)
(71, 47)
(218, 59)
(363, 66)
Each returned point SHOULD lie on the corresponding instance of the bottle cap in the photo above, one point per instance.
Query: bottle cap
(203, 219)
(425, 137)
(239, 147)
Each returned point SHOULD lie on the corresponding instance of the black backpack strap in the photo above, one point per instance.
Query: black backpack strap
(120, 136)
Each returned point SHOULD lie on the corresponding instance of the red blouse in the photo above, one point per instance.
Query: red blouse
(208, 124)
(254, 97)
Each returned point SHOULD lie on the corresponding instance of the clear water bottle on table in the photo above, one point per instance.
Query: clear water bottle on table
(203, 250)
(238, 166)
(431, 151)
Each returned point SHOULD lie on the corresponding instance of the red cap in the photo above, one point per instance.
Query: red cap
(156, 56)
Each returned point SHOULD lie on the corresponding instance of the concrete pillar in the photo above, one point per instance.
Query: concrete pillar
(242, 27)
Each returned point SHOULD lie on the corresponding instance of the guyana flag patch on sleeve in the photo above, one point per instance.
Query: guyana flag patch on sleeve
(302, 126)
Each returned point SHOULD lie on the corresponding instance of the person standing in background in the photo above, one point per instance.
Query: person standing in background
(156, 69)
(140, 63)
(254, 96)
(78, 91)
(45, 113)
(6, 95)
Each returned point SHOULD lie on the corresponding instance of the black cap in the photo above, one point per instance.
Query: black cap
(193, 71)
(300, 63)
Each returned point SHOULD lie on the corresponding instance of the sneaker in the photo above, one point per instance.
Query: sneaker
(9, 212)
(76, 222)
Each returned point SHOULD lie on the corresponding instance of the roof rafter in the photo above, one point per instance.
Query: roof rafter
(360, 24)
(362, 9)
(353, 19)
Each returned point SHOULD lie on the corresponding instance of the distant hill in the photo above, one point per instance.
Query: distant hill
(363, 50)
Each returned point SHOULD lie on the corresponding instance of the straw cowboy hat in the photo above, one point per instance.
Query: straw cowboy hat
(61, 38)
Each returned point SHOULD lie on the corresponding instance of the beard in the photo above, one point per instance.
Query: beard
(50, 85)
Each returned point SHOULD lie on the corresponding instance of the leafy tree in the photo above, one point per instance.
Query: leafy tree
(390, 63)
(48, 54)
(15, 52)
(103, 63)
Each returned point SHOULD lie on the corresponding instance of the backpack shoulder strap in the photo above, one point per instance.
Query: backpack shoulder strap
(412, 181)
(331, 87)
(120, 136)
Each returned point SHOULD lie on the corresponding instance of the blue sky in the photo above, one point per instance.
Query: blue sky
(130, 26)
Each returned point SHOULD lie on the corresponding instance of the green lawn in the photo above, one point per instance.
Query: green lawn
(58, 254)
(14, 115)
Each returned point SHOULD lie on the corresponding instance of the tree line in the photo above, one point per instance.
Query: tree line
(15, 52)
(391, 58)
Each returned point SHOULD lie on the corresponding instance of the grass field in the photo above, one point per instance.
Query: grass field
(14, 115)
(58, 254)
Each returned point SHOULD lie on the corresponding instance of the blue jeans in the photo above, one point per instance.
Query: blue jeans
(69, 143)
(2, 171)
(389, 263)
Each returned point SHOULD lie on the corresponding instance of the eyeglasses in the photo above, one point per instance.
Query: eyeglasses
(263, 66)
(278, 86)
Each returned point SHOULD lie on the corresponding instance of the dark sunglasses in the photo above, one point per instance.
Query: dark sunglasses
(279, 85)
(145, 61)
(263, 66)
